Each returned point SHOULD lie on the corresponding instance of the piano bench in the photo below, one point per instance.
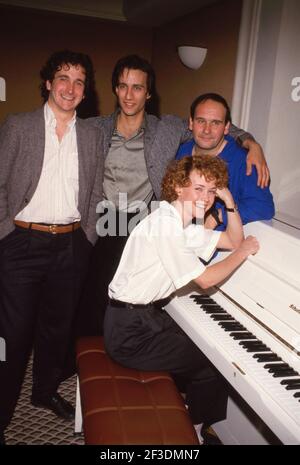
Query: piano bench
(126, 406)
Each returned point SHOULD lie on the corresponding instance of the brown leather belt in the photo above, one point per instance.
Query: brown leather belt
(49, 228)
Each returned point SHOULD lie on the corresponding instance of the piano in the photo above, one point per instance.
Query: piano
(249, 327)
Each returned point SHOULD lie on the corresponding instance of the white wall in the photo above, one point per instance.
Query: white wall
(283, 134)
(271, 114)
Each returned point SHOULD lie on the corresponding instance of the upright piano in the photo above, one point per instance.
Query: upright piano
(249, 327)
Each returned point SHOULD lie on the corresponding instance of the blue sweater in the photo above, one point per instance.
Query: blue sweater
(254, 203)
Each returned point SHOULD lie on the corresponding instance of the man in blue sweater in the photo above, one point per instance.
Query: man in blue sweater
(210, 121)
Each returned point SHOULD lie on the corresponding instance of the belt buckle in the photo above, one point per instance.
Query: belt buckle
(52, 228)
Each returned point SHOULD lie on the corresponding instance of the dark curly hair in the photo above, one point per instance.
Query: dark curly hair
(56, 62)
(133, 62)
(178, 174)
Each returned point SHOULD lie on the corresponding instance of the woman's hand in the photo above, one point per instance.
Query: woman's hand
(226, 196)
(249, 246)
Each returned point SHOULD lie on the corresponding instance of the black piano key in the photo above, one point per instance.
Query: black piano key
(259, 346)
(293, 387)
(280, 370)
(202, 299)
(222, 317)
(283, 370)
(231, 328)
(214, 310)
(297, 394)
(244, 335)
(273, 369)
(267, 357)
(212, 307)
(227, 326)
(208, 302)
(254, 345)
(290, 381)
(200, 296)
(258, 349)
(277, 365)
(204, 302)
(257, 342)
(285, 374)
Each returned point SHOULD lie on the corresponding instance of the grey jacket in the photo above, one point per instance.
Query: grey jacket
(162, 139)
(22, 143)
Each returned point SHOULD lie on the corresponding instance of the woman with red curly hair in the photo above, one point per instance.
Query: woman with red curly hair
(161, 256)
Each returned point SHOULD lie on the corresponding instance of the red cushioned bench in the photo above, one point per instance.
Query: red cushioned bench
(125, 406)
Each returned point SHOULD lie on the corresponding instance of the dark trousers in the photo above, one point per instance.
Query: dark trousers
(105, 258)
(40, 279)
(149, 339)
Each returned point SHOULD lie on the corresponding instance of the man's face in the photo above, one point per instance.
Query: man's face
(66, 91)
(132, 91)
(209, 126)
(199, 196)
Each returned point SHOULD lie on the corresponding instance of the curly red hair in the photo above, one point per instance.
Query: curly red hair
(178, 174)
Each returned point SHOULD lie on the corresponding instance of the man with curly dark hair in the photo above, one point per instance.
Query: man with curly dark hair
(48, 194)
(160, 257)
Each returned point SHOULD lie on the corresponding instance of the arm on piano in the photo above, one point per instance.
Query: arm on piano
(232, 238)
(216, 273)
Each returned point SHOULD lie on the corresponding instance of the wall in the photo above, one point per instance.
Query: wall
(28, 37)
(283, 139)
(273, 115)
(215, 27)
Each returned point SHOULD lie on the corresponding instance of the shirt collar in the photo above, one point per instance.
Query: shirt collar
(51, 120)
(115, 120)
(169, 207)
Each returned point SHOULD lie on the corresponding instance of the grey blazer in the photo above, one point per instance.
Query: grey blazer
(22, 143)
(162, 138)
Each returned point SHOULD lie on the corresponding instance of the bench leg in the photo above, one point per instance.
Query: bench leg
(78, 412)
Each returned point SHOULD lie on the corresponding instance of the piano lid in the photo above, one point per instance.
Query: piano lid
(267, 285)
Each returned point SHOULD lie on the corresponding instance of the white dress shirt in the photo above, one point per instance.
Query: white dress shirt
(161, 256)
(55, 200)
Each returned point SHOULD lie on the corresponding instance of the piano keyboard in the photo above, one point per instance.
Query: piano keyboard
(249, 358)
(256, 352)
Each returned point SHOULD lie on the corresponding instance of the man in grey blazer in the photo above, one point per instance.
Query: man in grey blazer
(137, 148)
(49, 188)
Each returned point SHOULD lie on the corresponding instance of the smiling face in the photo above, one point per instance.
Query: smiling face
(198, 197)
(132, 91)
(66, 91)
(209, 127)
